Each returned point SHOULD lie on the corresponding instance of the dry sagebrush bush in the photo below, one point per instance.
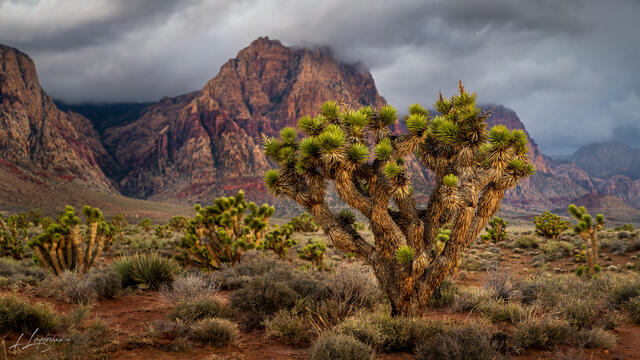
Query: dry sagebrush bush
(214, 331)
(464, 341)
(17, 314)
(189, 287)
(190, 310)
(290, 328)
(337, 346)
(69, 287)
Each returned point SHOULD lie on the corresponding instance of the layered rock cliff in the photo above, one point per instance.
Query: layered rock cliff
(38, 142)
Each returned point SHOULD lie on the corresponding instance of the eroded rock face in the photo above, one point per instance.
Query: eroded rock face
(38, 140)
(202, 144)
(623, 188)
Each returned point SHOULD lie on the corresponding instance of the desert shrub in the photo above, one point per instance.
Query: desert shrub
(262, 296)
(500, 285)
(12, 237)
(69, 287)
(338, 346)
(91, 342)
(583, 312)
(624, 290)
(279, 240)
(304, 223)
(501, 311)
(633, 308)
(388, 334)
(524, 242)
(625, 227)
(309, 285)
(214, 331)
(146, 224)
(595, 338)
(541, 333)
(189, 287)
(178, 223)
(190, 310)
(355, 286)
(554, 250)
(289, 327)
(444, 294)
(19, 315)
(151, 270)
(17, 272)
(459, 341)
(254, 263)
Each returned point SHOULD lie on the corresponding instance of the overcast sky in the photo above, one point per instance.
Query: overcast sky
(569, 68)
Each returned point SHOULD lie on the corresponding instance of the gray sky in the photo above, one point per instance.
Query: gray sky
(569, 68)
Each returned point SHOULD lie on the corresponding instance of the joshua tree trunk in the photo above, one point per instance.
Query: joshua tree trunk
(473, 168)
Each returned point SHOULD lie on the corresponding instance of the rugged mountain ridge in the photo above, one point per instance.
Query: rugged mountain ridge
(39, 143)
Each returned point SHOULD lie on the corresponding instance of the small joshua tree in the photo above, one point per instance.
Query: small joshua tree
(304, 223)
(119, 222)
(279, 240)
(108, 233)
(356, 151)
(496, 230)
(314, 252)
(221, 232)
(178, 223)
(146, 224)
(12, 238)
(588, 231)
(550, 225)
(60, 247)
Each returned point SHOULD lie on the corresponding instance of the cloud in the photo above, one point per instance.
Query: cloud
(568, 68)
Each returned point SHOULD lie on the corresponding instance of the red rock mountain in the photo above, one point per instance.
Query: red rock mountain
(40, 144)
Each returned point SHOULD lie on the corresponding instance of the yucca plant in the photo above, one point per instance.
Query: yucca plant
(355, 150)
(150, 270)
(588, 229)
(63, 246)
(220, 233)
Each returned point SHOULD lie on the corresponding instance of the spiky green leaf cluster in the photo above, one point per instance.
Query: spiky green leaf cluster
(405, 254)
(279, 240)
(314, 252)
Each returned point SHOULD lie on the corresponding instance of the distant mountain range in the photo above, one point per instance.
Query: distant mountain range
(200, 145)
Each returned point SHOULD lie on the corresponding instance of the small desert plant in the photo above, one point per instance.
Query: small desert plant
(524, 242)
(496, 230)
(633, 308)
(189, 287)
(625, 227)
(19, 315)
(550, 225)
(68, 287)
(444, 295)
(332, 346)
(289, 327)
(542, 333)
(146, 224)
(178, 223)
(465, 341)
(625, 290)
(588, 231)
(304, 223)
(59, 248)
(190, 310)
(354, 286)
(151, 270)
(12, 238)
(221, 232)
(279, 240)
(314, 252)
(263, 296)
(162, 231)
(595, 338)
(214, 331)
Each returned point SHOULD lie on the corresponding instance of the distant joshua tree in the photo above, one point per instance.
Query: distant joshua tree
(365, 161)
(550, 225)
(588, 231)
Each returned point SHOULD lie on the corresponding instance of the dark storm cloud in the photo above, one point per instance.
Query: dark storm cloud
(569, 68)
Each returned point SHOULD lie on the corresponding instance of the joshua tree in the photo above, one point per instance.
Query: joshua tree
(60, 246)
(550, 225)
(221, 232)
(495, 230)
(178, 223)
(12, 238)
(356, 150)
(119, 222)
(279, 240)
(146, 224)
(588, 231)
(304, 223)
(314, 252)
